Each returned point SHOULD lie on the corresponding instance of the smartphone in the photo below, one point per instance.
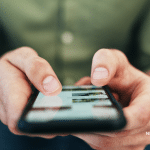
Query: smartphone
(76, 109)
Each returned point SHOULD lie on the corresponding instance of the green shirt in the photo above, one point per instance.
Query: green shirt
(67, 33)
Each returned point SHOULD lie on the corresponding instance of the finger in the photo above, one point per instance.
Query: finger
(12, 82)
(138, 147)
(37, 69)
(103, 68)
(2, 114)
(104, 142)
(84, 81)
(138, 112)
(112, 67)
(122, 133)
(15, 92)
(120, 148)
(15, 103)
(47, 136)
(51, 135)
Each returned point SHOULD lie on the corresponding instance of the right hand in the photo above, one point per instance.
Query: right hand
(18, 70)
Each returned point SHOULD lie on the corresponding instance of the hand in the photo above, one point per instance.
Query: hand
(131, 88)
(18, 69)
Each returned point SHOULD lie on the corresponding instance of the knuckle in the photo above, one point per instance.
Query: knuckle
(5, 55)
(121, 55)
(25, 51)
(40, 62)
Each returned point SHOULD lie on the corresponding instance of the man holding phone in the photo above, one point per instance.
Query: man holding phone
(23, 66)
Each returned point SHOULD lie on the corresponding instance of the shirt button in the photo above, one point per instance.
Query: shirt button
(67, 37)
(69, 81)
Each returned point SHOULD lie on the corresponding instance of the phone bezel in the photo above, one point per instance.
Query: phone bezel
(68, 126)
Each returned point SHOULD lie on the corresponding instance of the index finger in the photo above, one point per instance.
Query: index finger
(138, 111)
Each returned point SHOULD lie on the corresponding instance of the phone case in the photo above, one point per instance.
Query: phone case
(103, 119)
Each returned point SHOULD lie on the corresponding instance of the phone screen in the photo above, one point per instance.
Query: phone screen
(73, 103)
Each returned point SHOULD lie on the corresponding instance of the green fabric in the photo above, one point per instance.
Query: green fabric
(67, 33)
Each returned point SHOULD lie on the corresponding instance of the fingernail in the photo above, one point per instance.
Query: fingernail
(50, 84)
(100, 73)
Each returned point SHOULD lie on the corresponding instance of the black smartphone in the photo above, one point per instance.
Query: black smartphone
(76, 109)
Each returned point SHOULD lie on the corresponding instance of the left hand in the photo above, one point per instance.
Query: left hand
(131, 88)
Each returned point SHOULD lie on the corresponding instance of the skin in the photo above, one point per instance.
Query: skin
(18, 69)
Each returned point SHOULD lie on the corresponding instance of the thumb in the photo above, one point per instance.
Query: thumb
(106, 65)
(111, 67)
